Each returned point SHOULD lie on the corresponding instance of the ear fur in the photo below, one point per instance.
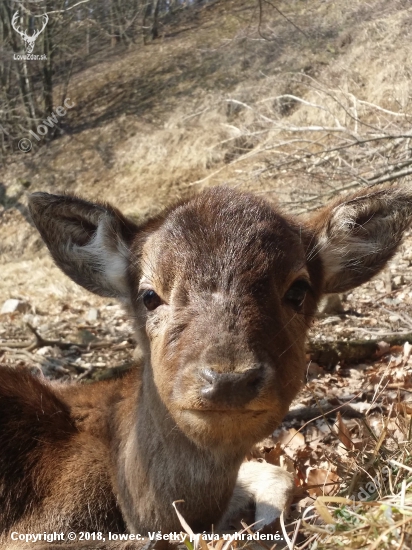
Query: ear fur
(88, 241)
(357, 235)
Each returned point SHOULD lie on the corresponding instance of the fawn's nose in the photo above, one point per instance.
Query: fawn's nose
(232, 389)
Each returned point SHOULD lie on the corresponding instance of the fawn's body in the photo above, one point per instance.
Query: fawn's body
(222, 288)
(82, 439)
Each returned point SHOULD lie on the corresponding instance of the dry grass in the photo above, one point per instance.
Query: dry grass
(381, 481)
(379, 477)
(151, 122)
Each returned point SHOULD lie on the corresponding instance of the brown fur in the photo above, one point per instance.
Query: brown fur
(224, 357)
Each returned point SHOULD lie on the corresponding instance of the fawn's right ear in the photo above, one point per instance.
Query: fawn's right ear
(89, 242)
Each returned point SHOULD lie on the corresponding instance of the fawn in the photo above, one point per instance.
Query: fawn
(222, 287)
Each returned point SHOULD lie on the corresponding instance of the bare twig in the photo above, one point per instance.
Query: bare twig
(41, 342)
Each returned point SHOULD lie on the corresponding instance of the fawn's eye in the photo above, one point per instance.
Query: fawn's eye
(296, 294)
(151, 300)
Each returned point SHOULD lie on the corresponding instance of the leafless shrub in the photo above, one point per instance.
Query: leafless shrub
(325, 138)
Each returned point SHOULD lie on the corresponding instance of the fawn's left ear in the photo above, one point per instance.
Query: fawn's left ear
(90, 242)
(357, 235)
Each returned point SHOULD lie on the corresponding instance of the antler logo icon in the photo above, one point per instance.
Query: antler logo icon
(28, 40)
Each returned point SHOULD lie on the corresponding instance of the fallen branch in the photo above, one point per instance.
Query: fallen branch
(352, 351)
(310, 413)
(41, 342)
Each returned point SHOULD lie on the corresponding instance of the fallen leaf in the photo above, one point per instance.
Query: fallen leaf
(344, 433)
(291, 439)
(319, 480)
(383, 347)
(273, 456)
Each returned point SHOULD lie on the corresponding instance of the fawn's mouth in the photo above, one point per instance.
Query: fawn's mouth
(229, 412)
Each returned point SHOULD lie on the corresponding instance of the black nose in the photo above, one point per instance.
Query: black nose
(231, 389)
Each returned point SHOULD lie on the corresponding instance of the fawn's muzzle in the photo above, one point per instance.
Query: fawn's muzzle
(231, 389)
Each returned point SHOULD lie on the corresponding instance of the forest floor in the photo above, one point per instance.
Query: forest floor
(159, 123)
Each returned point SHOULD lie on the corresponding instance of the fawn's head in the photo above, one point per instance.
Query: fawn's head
(223, 288)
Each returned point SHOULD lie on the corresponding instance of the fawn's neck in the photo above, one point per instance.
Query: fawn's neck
(158, 464)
